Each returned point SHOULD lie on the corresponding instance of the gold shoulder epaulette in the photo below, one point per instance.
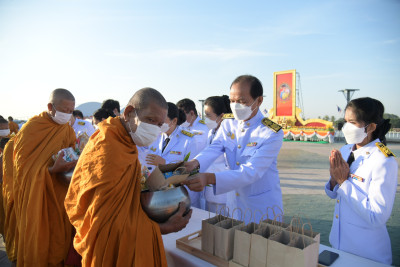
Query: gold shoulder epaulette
(386, 151)
(202, 121)
(228, 116)
(272, 125)
(81, 123)
(187, 133)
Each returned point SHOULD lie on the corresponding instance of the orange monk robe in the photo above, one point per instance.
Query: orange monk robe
(13, 127)
(44, 231)
(103, 203)
(10, 224)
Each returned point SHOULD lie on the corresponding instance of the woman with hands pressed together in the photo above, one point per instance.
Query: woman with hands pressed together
(363, 181)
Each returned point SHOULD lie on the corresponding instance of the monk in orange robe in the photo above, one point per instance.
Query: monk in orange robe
(103, 200)
(3, 142)
(43, 233)
(14, 128)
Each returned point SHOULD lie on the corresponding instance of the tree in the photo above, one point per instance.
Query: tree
(333, 118)
(326, 118)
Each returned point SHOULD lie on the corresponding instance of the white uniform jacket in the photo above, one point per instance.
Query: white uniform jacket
(200, 129)
(364, 203)
(251, 149)
(83, 126)
(219, 165)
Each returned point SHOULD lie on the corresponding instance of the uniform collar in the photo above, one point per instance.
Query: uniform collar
(253, 121)
(365, 150)
(175, 132)
(196, 121)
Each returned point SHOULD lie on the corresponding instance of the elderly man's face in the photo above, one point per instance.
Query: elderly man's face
(153, 114)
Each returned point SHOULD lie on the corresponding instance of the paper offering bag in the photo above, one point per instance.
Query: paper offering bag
(286, 249)
(242, 240)
(224, 238)
(208, 232)
(259, 244)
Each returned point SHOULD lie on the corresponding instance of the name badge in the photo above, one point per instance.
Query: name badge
(358, 178)
(252, 144)
(175, 152)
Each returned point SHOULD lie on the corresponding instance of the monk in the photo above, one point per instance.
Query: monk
(103, 200)
(4, 128)
(34, 193)
(14, 128)
(3, 142)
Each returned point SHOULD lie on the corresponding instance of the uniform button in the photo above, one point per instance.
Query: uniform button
(248, 124)
(242, 130)
(237, 163)
(237, 194)
(337, 201)
(239, 146)
(337, 216)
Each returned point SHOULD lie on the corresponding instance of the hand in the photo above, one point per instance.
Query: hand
(60, 165)
(155, 160)
(198, 181)
(191, 165)
(339, 169)
(177, 221)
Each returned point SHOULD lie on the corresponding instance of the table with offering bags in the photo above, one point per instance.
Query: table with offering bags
(217, 240)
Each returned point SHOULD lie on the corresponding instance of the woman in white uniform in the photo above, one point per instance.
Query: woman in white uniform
(175, 144)
(214, 109)
(363, 181)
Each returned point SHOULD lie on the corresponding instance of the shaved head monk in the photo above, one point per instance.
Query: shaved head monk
(103, 200)
(37, 229)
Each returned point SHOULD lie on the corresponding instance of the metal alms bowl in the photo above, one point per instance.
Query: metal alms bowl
(160, 205)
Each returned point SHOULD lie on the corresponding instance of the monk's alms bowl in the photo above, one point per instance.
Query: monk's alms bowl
(160, 205)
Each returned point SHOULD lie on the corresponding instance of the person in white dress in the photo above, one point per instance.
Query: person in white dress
(215, 107)
(363, 180)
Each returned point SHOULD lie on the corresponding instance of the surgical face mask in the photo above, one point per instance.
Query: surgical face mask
(241, 112)
(165, 127)
(5, 132)
(145, 134)
(185, 124)
(353, 134)
(61, 117)
(211, 124)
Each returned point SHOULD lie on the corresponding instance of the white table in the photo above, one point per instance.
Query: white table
(177, 257)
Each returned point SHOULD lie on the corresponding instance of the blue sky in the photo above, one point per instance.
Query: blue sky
(110, 49)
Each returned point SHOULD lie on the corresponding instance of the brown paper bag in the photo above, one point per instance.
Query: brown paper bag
(208, 232)
(259, 244)
(286, 249)
(242, 242)
(224, 238)
(314, 235)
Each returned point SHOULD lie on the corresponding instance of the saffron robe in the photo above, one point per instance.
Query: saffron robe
(103, 203)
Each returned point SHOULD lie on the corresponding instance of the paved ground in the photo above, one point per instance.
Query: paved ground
(304, 170)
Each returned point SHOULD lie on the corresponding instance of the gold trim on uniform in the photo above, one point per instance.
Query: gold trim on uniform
(272, 125)
(153, 149)
(81, 123)
(187, 133)
(228, 116)
(202, 121)
(385, 150)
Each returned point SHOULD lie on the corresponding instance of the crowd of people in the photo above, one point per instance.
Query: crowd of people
(96, 219)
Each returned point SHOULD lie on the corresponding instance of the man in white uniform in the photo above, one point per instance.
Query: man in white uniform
(251, 143)
(80, 125)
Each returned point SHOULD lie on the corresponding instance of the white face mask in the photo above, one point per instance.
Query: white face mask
(165, 127)
(241, 112)
(61, 117)
(145, 134)
(353, 134)
(4, 133)
(211, 124)
(185, 124)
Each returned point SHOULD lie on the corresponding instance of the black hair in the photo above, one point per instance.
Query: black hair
(2, 120)
(3, 142)
(256, 88)
(10, 118)
(187, 105)
(369, 110)
(219, 104)
(77, 113)
(102, 113)
(175, 112)
(110, 105)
